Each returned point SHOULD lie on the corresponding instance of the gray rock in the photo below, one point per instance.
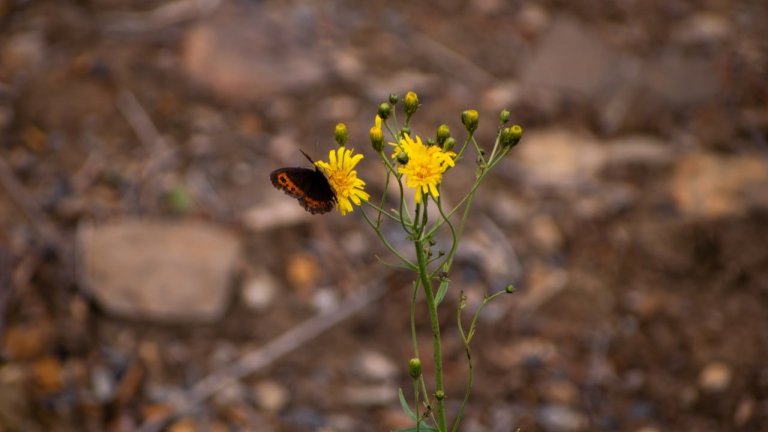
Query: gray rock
(246, 56)
(681, 80)
(165, 271)
(572, 58)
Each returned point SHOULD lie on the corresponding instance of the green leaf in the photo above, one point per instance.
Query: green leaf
(404, 404)
(441, 291)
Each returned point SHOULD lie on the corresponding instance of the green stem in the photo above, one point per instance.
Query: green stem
(433, 318)
(391, 248)
(414, 339)
(383, 199)
(468, 391)
(467, 339)
(381, 212)
(416, 403)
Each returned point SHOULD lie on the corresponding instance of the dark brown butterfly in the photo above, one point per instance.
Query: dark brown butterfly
(307, 185)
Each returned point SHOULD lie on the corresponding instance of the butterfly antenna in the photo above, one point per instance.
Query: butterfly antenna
(307, 156)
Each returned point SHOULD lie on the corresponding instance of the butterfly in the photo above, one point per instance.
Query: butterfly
(307, 185)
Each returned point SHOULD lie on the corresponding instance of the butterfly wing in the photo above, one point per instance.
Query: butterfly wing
(308, 186)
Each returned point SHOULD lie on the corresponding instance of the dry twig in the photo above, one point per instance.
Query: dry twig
(29, 207)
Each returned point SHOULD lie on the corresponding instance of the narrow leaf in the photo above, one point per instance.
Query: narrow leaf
(441, 291)
(404, 404)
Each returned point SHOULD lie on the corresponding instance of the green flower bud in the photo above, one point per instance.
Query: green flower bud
(439, 395)
(405, 131)
(410, 103)
(505, 137)
(402, 158)
(469, 119)
(431, 141)
(443, 133)
(384, 110)
(509, 137)
(503, 116)
(449, 144)
(393, 98)
(509, 289)
(341, 134)
(517, 133)
(377, 139)
(414, 368)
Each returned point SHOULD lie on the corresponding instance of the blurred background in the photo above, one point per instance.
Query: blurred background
(142, 247)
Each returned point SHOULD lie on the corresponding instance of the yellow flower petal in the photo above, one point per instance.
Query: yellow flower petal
(425, 167)
(343, 178)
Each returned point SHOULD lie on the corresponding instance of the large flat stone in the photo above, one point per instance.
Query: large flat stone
(719, 186)
(164, 271)
(574, 59)
(250, 54)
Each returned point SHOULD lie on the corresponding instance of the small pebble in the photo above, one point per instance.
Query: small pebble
(715, 377)
(102, 383)
(271, 396)
(259, 292)
(375, 366)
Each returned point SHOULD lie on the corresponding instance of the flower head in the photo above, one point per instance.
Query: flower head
(343, 178)
(425, 167)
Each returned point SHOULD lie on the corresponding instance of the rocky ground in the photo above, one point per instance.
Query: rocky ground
(143, 251)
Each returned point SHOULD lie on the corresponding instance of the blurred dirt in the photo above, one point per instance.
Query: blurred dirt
(633, 216)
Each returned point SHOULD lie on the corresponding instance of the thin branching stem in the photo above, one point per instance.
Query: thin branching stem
(383, 239)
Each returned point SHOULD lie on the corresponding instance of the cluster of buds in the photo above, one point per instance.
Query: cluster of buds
(508, 136)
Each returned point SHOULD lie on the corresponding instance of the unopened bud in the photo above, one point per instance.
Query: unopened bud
(443, 133)
(377, 139)
(449, 144)
(410, 103)
(341, 134)
(402, 158)
(393, 98)
(470, 119)
(384, 110)
(414, 368)
(504, 116)
(517, 133)
(439, 395)
(509, 289)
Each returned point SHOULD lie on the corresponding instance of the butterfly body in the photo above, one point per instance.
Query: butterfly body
(307, 185)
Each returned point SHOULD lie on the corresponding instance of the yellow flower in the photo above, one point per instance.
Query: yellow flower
(425, 167)
(343, 178)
